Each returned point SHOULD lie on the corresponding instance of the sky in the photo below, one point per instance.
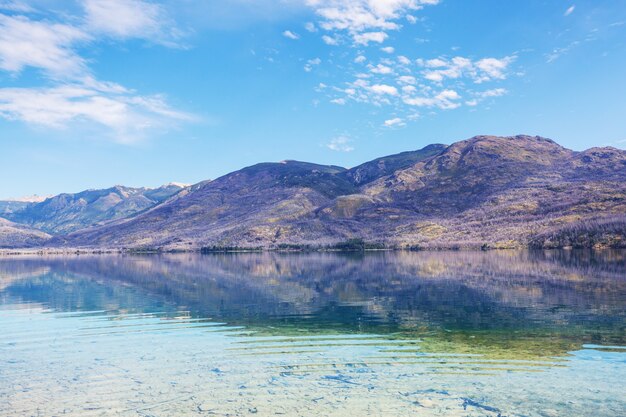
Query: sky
(95, 93)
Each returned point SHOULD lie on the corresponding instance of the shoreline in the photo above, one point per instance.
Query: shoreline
(126, 251)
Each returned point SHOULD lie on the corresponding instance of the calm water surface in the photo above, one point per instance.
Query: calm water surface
(383, 334)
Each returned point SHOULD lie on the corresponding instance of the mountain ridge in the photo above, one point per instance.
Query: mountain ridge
(486, 191)
(68, 212)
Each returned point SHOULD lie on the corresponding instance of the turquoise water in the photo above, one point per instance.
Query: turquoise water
(381, 334)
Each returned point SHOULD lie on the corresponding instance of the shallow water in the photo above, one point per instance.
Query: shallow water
(382, 334)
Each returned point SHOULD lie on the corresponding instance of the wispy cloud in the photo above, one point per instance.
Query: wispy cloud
(556, 53)
(484, 95)
(126, 116)
(40, 44)
(130, 19)
(496, 92)
(569, 10)
(340, 143)
(591, 35)
(15, 6)
(73, 96)
(291, 35)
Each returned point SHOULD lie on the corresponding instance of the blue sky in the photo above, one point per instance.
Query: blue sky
(101, 92)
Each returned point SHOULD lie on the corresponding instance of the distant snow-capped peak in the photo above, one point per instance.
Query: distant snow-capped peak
(176, 184)
(30, 198)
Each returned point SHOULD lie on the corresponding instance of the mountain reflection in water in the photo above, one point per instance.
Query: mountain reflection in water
(469, 313)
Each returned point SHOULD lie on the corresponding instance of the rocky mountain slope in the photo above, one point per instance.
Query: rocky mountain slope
(482, 192)
(66, 213)
(14, 235)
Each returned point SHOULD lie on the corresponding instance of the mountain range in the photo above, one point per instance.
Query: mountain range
(484, 192)
(66, 213)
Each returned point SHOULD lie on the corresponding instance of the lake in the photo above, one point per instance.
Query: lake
(315, 334)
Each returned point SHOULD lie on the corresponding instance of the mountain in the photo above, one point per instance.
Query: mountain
(486, 191)
(8, 207)
(387, 165)
(497, 192)
(66, 213)
(14, 205)
(14, 235)
(246, 202)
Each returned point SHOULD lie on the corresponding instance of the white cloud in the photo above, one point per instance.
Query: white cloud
(404, 60)
(407, 79)
(43, 45)
(445, 100)
(384, 89)
(359, 16)
(486, 69)
(130, 19)
(340, 144)
(394, 122)
(483, 95)
(381, 69)
(15, 6)
(496, 92)
(125, 116)
(291, 35)
(493, 68)
(435, 63)
(392, 83)
(310, 27)
(440, 84)
(73, 97)
(308, 67)
(453, 69)
(367, 37)
(569, 10)
(330, 40)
